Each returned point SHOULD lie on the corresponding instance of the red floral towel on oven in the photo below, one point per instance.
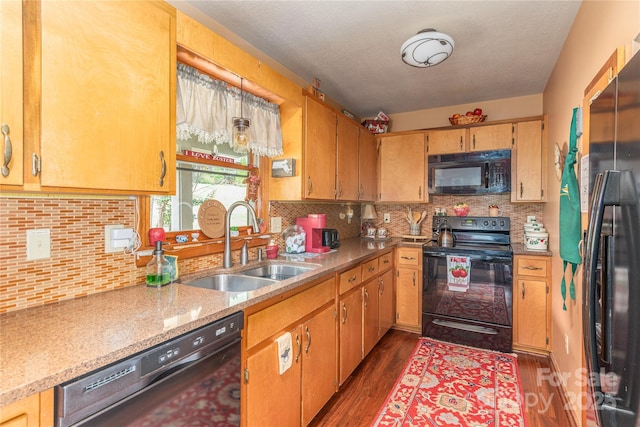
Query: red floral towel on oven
(458, 272)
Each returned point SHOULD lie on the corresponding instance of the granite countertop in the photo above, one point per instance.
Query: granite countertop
(520, 249)
(45, 346)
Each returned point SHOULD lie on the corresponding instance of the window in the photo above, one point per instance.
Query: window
(202, 175)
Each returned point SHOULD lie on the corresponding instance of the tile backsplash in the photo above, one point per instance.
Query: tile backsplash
(78, 265)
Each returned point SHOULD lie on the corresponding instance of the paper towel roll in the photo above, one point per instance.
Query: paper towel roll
(285, 352)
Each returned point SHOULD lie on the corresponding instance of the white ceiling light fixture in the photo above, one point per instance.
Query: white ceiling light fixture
(427, 48)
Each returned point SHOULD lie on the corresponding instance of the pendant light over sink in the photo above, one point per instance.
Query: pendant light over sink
(240, 134)
(427, 48)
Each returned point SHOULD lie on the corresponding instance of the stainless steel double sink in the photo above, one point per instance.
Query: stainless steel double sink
(251, 279)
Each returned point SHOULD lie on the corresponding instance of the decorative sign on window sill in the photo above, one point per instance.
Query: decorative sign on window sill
(207, 156)
(283, 167)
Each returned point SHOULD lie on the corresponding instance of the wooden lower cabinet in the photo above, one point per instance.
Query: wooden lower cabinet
(32, 411)
(350, 310)
(532, 303)
(319, 357)
(386, 309)
(409, 289)
(294, 397)
(370, 322)
(274, 399)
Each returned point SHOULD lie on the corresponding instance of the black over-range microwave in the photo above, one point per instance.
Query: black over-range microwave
(481, 172)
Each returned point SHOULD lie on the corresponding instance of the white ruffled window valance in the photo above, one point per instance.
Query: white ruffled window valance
(206, 107)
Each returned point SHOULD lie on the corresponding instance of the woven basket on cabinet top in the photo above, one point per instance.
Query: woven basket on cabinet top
(465, 120)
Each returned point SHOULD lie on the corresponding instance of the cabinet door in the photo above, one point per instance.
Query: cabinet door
(272, 398)
(32, 411)
(371, 325)
(367, 166)
(350, 332)
(531, 313)
(11, 108)
(320, 151)
(319, 362)
(407, 297)
(446, 141)
(529, 181)
(387, 313)
(492, 137)
(108, 95)
(347, 160)
(402, 168)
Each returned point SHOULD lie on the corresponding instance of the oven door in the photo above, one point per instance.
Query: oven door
(479, 314)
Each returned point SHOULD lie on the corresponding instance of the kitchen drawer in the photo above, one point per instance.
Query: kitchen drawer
(409, 257)
(536, 267)
(385, 262)
(275, 318)
(350, 279)
(369, 269)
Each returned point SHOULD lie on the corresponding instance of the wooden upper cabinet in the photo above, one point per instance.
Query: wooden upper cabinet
(447, 141)
(320, 151)
(528, 163)
(491, 137)
(11, 98)
(107, 96)
(367, 166)
(347, 159)
(402, 168)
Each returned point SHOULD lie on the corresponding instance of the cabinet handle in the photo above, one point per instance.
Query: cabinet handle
(408, 257)
(521, 190)
(352, 279)
(163, 168)
(420, 192)
(8, 150)
(366, 298)
(339, 189)
(306, 348)
(35, 164)
(309, 185)
(386, 261)
(474, 141)
(381, 286)
(299, 347)
(344, 312)
(522, 290)
(460, 142)
(372, 269)
(529, 267)
(361, 192)
(414, 278)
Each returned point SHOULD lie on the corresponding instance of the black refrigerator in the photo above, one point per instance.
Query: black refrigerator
(611, 286)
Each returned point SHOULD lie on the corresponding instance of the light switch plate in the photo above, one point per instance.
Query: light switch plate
(276, 224)
(38, 244)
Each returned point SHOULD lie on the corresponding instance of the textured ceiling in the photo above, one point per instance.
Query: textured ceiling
(502, 48)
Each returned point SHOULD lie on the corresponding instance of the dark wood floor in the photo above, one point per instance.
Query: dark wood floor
(363, 394)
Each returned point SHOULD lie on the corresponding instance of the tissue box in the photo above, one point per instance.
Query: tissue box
(376, 126)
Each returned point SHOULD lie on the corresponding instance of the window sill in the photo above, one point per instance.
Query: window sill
(206, 247)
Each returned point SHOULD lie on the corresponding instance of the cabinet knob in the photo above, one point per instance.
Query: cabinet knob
(8, 149)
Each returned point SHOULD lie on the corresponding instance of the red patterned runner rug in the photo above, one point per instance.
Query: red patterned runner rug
(446, 384)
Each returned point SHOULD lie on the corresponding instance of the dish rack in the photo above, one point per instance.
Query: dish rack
(466, 120)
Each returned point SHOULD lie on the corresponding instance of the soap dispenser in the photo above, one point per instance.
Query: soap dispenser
(159, 271)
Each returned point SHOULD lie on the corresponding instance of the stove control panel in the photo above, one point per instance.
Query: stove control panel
(475, 223)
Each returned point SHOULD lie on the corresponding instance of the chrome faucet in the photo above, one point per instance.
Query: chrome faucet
(227, 230)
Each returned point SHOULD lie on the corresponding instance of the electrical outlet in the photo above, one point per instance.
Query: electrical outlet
(387, 218)
(566, 343)
(108, 245)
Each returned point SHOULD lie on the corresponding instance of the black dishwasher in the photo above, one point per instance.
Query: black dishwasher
(193, 379)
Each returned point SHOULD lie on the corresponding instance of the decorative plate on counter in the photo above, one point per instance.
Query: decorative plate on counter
(211, 217)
